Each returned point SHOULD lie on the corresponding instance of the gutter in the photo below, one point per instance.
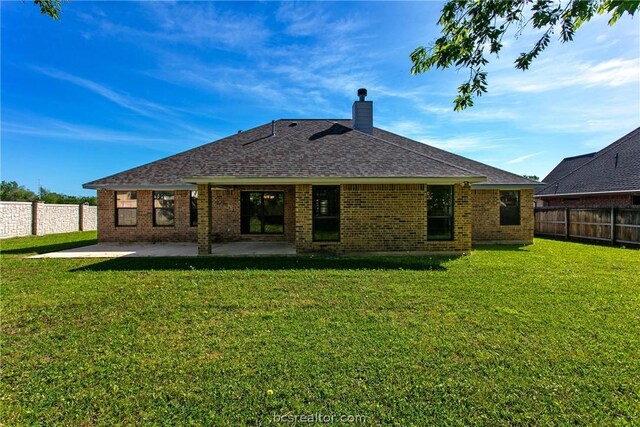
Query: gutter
(506, 186)
(133, 187)
(593, 193)
(232, 180)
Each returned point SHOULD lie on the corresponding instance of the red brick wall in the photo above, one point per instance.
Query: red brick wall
(144, 231)
(603, 200)
(225, 214)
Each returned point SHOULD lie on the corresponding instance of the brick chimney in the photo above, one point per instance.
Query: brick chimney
(362, 113)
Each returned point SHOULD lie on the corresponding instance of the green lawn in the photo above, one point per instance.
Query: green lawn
(540, 335)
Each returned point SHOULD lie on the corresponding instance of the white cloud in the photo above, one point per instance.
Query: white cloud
(424, 132)
(552, 75)
(57, 129)
(313, 19)
(523, 158)
(199, 24)
(137, 105)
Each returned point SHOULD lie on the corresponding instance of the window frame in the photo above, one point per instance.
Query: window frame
(117, 209)
(315, 218)
(193, 209)
(503, 219)
(262, 221)
(451, 217)
(173, 209)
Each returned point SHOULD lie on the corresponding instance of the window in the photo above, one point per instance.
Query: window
(326, 213)
(126, 208)
(163, 208)
(261, 212)
(440, 212)
(635, 200)
(510, 208)
(193, 209)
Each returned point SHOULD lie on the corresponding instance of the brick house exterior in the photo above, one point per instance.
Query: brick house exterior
(144, 230)
(325, 186)
(486, 228)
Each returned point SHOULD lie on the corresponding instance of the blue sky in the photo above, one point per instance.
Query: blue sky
(115, 85)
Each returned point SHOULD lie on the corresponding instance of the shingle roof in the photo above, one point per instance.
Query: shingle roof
(568, 164)
(614, 168)
(308, 148)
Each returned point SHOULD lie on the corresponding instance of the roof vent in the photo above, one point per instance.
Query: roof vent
(362, 113)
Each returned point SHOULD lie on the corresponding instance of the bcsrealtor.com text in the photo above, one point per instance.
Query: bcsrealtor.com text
(319, 418)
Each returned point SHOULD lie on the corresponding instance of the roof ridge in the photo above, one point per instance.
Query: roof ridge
(599, 154)
(418, 153)
(581, 155)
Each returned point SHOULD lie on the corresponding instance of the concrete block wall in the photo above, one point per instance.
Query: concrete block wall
(145, 231)
(15, 219)
(57, 218)
(37, 218)
(89, 217)
(486, 218)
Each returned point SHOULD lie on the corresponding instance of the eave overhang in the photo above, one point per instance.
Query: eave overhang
(593, 193)
(506, 186)
(326, 180)
(133, 187)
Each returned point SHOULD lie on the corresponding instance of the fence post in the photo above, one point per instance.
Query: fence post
(613, 226)
(35, 207)
(81, 217)
(566, 223)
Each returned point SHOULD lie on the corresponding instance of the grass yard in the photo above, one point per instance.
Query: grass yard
(540, 335)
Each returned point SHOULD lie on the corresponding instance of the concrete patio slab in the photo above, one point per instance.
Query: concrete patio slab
(117, 250)
(253, 249)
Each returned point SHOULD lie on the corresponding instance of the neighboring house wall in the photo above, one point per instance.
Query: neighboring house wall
(27, 218)
(486, 218)
(145, 231)
(381, 218)
(601, 200)
(225, 214)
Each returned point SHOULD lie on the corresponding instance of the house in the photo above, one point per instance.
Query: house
(607, 178)
(322, 185)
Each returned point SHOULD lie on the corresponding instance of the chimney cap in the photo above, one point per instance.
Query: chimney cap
(362, 92)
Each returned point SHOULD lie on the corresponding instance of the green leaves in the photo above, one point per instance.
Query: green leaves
(473, 29)
(53, 8)
(618, 8)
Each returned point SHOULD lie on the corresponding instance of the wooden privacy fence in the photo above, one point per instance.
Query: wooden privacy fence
(614, 225)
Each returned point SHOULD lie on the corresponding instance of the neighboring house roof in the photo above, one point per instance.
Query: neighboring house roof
(615, 168)
(568, 164)
(309, 149)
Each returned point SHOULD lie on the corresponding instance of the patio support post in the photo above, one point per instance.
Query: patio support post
(204, 219)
